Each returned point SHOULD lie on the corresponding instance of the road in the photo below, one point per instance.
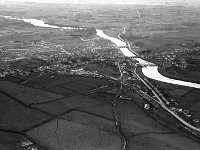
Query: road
(120, 42)
(164, 106)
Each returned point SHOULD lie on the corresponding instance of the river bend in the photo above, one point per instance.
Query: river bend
(149, 69)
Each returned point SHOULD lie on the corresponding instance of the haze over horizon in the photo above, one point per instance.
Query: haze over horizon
(143, 2)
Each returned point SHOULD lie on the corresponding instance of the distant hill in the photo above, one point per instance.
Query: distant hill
(137, 2)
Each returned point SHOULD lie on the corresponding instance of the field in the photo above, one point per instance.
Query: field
(78, 91)
(155, 28)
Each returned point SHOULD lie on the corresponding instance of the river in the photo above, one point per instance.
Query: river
(40, 23)
(149, 69)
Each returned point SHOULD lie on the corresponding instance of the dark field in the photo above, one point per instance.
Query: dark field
(71, 89)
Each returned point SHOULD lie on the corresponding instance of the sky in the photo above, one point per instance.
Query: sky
(147, 2)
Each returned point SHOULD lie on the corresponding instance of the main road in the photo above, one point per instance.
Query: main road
(150, 70)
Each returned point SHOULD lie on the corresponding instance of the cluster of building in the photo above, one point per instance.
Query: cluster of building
(176, 57)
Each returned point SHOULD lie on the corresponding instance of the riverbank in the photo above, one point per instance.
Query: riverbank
(153, 73)
(150, 70)
(85, 112)
(174, 73)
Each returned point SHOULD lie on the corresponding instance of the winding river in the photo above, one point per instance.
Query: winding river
(39, 23)
(149, 69)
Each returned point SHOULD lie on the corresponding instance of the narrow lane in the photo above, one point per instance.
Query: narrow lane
(150, 70)
(147, 64)
(164, 106)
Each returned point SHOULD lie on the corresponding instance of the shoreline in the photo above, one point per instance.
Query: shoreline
(177, 76)
(148, 70)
